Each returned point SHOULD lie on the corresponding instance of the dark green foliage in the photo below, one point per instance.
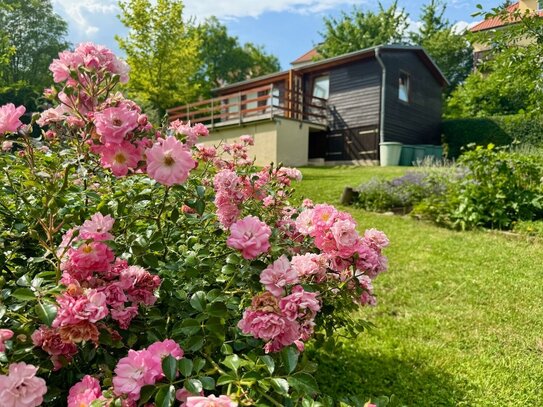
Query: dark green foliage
(31, 35)
(497, 189)
(458, 133)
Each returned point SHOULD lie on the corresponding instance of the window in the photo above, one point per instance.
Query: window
(321, 87)
(403, 87)
(540, 5)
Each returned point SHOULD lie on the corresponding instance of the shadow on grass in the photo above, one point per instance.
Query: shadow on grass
(352, 373)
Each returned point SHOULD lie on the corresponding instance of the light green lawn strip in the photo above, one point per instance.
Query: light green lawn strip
(459, 316)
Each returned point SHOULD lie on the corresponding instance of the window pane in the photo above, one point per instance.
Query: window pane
(403, 87)
(321, 87)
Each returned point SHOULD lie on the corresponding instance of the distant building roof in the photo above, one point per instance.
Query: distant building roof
(309, 56)
(497, 22)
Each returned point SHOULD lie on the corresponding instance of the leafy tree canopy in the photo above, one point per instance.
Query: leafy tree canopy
(162, 50)
(225, 61)
(31, 34)
(363, 29)
(508, 80)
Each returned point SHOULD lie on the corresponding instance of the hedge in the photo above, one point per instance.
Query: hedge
(498, 130)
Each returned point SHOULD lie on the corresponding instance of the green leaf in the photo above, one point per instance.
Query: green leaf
(194, 343)
(194, 386)
(46, 312)
(289, 356)
(233, 362)
(24, 294)
(199, 364)
(169, 367)
(165, 396)
(304, 383)
(151, 260)
(280, 386)
(198, 301)
(232, 259)
(146, 393)
(185, 366)
(217, 309)
(225, 379)
(268, 361)
(208, 383)
(188, 327)
(201, 191)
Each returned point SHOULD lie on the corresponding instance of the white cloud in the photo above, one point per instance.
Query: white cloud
(230, 9)
(77, 11)
(462, 26)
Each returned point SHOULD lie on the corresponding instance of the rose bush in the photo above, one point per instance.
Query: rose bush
(140, 267)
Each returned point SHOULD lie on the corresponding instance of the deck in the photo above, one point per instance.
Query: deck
(260, 103)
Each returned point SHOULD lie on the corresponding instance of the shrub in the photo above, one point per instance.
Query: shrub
(131, 278)
(401, 193)
(459, 133)
(497, 189)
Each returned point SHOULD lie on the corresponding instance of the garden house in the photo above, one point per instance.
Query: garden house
(329, 111)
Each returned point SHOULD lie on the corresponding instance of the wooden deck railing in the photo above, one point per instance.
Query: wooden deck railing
(244, 106)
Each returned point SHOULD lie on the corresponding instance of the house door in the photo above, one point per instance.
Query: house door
(334, 146)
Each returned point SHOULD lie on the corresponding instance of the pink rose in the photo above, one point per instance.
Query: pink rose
(114, 123)
(210, 401)
(97, 228)
(9, 118)
(5, 334)
(277, 276)
(84, 392)
(169, 161)
(21, 387)
(251, 236)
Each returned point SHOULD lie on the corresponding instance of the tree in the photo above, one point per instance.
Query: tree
(31, 34)
(225, 61)
(509, 81)
(359, 30)
(449, 49)
(162, 50)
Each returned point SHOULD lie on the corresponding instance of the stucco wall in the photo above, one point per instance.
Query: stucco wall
(277, 140)
(292, 142)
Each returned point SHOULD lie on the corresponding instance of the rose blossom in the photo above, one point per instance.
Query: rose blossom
(346, 237)
(300, 304)
(210, 401)
(376, 238)
(183, 394)
(277, 276)
(123, 315)
(7, 145)
(9, 118)
(5, 334)
(251, 236)
(120, 158)
(169, 162)
(84, 392)
(114, 123)
(133, 372)
(21, 387)
(97, 227)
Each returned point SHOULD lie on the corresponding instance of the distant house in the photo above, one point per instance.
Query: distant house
(330, 111)
(500, 23)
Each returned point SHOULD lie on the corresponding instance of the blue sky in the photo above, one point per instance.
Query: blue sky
(286, 28)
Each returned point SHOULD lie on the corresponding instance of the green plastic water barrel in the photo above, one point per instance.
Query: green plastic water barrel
(390, 152)
(406, 158)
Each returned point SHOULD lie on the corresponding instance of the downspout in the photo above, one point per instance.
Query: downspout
(383, 94)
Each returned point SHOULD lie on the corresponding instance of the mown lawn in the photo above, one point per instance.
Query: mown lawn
(460, 315)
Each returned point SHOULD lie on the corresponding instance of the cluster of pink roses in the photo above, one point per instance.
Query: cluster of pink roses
(279, 319)
(349, 256)
(87, 57)
(116, 129)
(98, 286)
(265, 186)
(138, 369)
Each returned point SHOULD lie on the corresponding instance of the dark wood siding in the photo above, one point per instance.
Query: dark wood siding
(354, 94)
(419, 120)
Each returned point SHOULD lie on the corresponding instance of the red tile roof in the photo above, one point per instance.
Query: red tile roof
(309, 56)
(497, 22)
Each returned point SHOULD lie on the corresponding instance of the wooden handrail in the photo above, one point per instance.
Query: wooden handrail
(293, 104)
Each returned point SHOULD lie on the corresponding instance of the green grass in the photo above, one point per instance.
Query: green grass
(459, 320)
